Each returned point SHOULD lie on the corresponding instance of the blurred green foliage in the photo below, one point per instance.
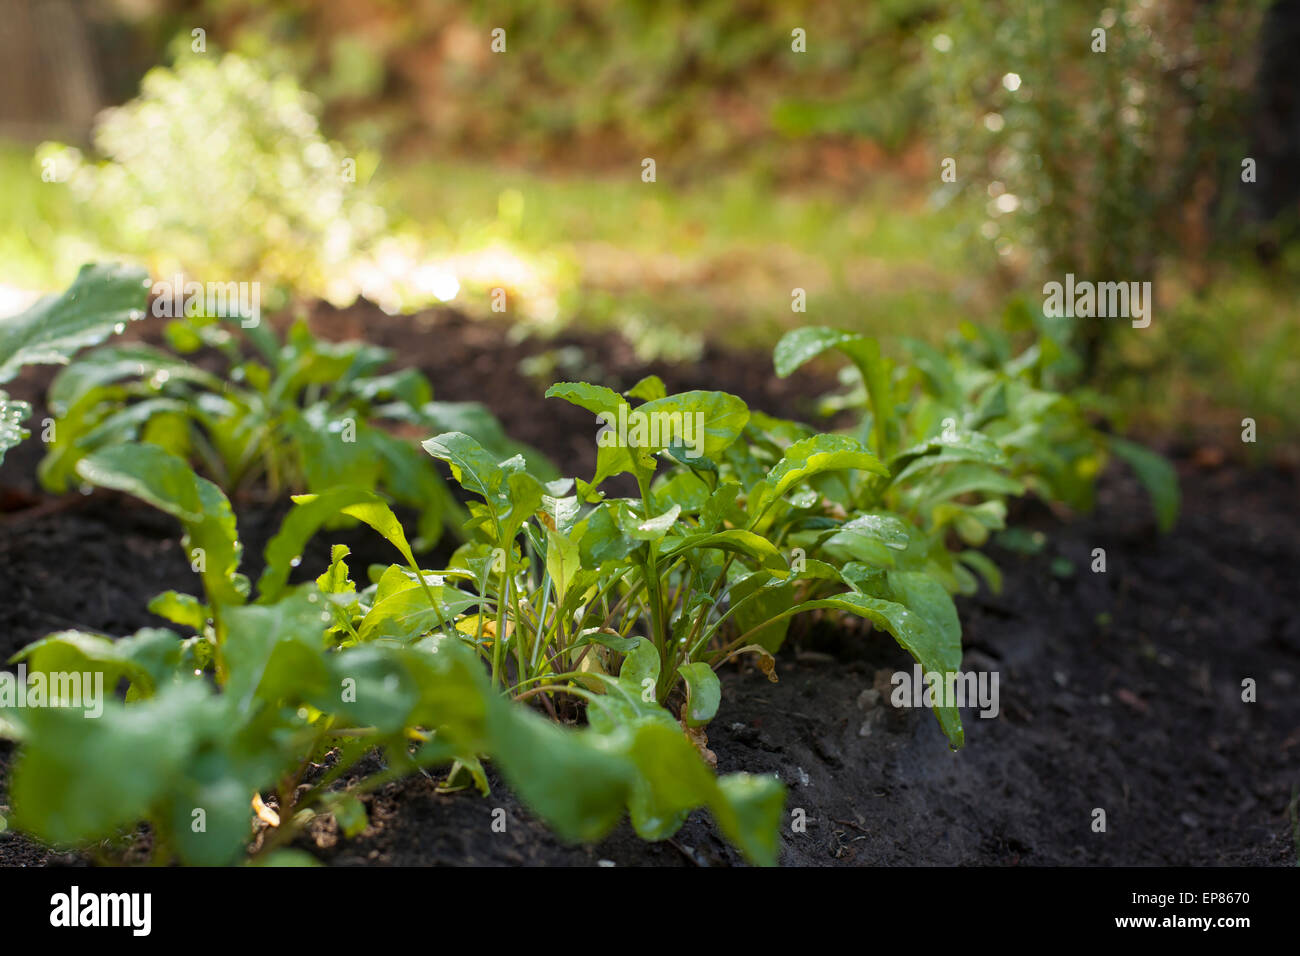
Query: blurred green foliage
(604, 81)
(1098, 142)
(219, 170)
(670, 267)
(777, 170)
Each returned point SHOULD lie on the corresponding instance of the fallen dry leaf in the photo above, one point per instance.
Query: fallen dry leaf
(265, 813)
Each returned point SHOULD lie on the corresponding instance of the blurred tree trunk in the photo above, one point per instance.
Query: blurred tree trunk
(1274, 202)
(49, 84)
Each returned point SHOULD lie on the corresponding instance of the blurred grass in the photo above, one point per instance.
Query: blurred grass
(719, 260)
(1225, 352)
(41, 243)
(673, 267)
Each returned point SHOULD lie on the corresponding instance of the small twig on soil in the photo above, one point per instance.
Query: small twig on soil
(66, 503)
(689, 854)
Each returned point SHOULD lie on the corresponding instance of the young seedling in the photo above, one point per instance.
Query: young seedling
(572, 589)
(302, 415)
(266, 709)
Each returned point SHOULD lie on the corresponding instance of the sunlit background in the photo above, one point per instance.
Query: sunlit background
(383, 150)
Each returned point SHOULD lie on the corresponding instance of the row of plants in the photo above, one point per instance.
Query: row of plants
(574, 637)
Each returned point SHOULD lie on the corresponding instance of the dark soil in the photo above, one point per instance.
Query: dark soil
(1119, 691)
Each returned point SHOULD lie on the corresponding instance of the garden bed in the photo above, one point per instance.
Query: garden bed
(1120, 691)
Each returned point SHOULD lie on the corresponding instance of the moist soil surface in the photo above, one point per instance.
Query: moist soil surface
(1118, 691)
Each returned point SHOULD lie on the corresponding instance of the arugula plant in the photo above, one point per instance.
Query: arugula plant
(707, 562)
(100, 301)
(1058, 435)
(965, 430)
(286, 694)
(300, 414)
(758, 519)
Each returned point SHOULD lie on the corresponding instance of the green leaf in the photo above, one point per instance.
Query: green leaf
(802, 345)
(409, 477)
(967, 478)
(923, 619)
(648, 529)
(126, 424)
(639, 666)
(813, 456)
(648, 389)
(697, 425)
(703, 693)
(327, 459)
(309, 514)
(161, 479)
(350, 814)
(12, 415)
(406, 614)
(749, 810)
(408, 386)
(596, 399)
(716, 419)
(111, 364)
(337, 579)
(180, 609)
(733, 540)
(758, 599)
(605, 639)
(100, 300)
(721, 508)
(391, 688)
(476, 421)
(602, 538)
(984, 565)
(563, 561)
(959, 446)
(154, 476)
(937, 370)
(543, 764)
(471, 465)
(213, 783)
(274, 651)
(873, 538)
(147, 659)
(1157, 476)
(85, 778)
(562, 512)
(525, 495)
(612, 457)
